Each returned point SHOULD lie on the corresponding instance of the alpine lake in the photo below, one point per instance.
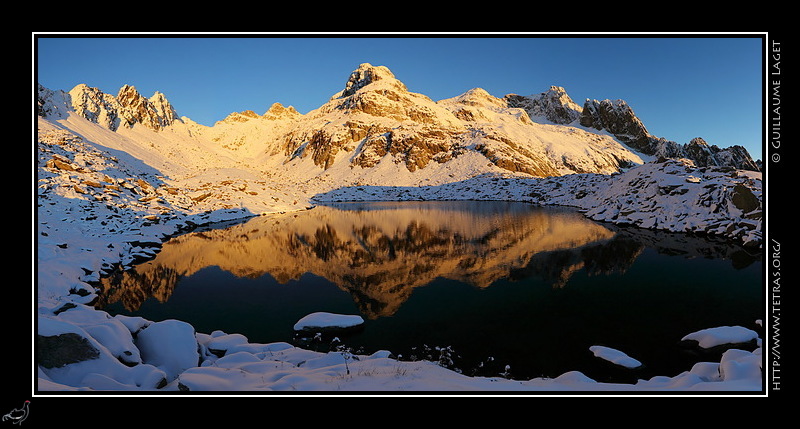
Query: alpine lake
(485, 288)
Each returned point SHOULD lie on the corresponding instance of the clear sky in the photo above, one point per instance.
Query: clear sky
(681, 87)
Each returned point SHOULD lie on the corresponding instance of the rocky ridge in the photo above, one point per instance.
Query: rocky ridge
(618, 118)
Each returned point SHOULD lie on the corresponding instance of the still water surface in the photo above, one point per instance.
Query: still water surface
(501, 287)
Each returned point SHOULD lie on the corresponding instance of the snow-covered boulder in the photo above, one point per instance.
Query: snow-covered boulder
(69, 358)
(219, 342)
(169, 345)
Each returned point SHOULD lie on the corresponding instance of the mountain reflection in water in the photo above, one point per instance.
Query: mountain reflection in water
(380, 252)
(504, 284)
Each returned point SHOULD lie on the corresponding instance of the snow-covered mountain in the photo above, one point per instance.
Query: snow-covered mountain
(375, 120)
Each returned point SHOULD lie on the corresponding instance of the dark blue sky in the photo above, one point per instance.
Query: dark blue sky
(680, 87)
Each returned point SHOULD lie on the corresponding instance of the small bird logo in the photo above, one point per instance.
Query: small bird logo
(18, 415)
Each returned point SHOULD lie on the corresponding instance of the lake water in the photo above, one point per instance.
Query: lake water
(494, 287)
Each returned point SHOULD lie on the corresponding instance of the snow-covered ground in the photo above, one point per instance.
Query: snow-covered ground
(84, 229)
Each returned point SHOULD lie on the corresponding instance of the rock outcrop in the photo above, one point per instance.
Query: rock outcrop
(56, 351)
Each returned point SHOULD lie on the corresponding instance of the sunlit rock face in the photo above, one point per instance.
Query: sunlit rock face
(380, 255)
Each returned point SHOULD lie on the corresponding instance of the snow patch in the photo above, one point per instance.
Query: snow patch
(615, 356)
(323, 320)
(712, 337)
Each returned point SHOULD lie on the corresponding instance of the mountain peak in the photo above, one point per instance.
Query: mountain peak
(154, 113)
(275, 112)
(242, 116)
(559, 94)
(479, 97)
(279, 111)
(367, 74)
(127, 91)
(555, 105)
